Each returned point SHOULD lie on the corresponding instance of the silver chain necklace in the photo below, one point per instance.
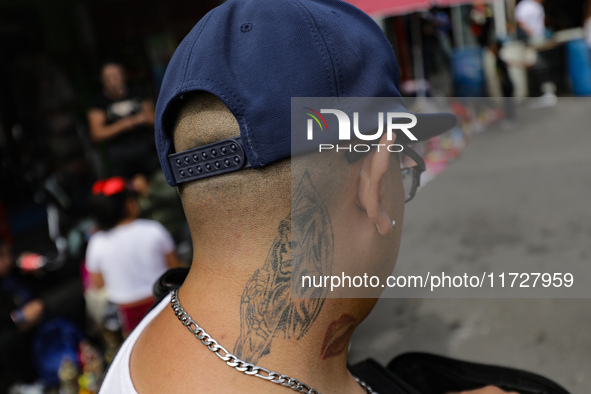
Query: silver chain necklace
(238, 364)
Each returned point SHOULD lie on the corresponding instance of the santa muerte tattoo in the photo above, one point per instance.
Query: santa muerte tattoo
(274, 304)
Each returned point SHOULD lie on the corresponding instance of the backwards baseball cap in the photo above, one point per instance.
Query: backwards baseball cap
(255, 55)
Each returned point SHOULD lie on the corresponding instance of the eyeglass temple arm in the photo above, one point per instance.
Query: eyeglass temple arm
(415, 156)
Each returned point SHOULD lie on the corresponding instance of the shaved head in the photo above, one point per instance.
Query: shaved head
(220, 201)
(203, 119)
(251, 202)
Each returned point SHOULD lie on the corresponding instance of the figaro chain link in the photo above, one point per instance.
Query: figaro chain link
(229, 358)
(238, 364)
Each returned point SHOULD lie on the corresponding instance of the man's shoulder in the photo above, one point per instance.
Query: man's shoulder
(160, 352)
(118, 377)
(167, 358)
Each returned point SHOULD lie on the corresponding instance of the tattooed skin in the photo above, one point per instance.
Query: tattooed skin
(337, 336)
(303, 246)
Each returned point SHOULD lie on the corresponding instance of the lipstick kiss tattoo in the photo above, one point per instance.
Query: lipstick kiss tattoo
(337, 336)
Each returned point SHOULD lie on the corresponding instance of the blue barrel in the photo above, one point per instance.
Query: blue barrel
(579, 67)
(468, 72)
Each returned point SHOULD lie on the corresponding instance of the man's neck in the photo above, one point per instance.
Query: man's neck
(317, 358)
(239, 290)
(242, 289)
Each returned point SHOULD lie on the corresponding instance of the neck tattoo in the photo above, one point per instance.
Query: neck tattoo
(238, 364)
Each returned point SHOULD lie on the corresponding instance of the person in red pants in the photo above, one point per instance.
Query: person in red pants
(127, 254)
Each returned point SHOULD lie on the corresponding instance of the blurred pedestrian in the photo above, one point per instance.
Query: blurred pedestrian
(531, 28)
(442, 24)
(160, 202)
(530, 17)
(482, 20)
(587, 25)
(128, 254)
(121, 119)
(507, 87)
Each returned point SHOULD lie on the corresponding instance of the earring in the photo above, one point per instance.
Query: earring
(393, 223)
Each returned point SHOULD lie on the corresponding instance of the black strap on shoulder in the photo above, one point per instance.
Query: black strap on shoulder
(380, 379)
(170, 280)
(433, 374)
(424, 373)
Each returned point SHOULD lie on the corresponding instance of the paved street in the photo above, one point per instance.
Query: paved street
(519, 197)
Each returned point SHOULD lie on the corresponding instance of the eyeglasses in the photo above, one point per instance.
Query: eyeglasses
(109, 187)
(412, 166)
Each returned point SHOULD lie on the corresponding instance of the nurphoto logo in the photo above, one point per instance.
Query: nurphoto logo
(394, 121)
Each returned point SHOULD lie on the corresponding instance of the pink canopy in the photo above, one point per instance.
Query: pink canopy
(390, 7)
(399, 7)
(449, 3)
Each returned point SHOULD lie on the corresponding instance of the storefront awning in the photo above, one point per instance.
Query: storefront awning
(383, 8)
(450, 3)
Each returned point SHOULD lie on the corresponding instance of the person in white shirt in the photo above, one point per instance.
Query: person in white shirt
(530, 17)
(128, 254)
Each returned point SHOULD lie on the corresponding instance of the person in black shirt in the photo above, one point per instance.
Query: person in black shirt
(122, 119)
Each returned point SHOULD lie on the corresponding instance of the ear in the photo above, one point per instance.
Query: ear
(372, 186)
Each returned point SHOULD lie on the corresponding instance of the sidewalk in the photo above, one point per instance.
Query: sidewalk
(520, 195)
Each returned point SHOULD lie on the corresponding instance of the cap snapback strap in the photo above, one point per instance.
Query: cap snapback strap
(208, 160)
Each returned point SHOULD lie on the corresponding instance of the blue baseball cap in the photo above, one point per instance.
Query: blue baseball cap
(255, 55)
